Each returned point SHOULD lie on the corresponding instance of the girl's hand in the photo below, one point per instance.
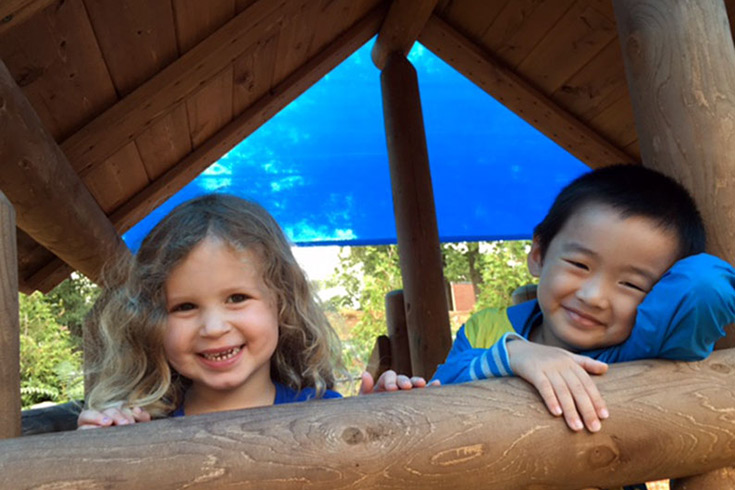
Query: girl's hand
(390, 381)
(92, 419)
(563, 381)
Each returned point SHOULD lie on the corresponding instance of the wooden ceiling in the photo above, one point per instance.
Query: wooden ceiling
(142, 95)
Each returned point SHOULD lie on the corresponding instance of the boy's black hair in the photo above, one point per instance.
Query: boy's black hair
(632, 190)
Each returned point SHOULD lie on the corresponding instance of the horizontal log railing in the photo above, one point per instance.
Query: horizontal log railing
(668, 419)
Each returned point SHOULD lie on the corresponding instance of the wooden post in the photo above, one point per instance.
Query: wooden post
(395, 317)
(667, 419)
(10, 425)
(427, 316)
(680, 65)
(51, 202)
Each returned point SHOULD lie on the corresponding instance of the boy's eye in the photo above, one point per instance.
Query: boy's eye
(237, 298)
(183, 307)
(578, 265)
(634, 286)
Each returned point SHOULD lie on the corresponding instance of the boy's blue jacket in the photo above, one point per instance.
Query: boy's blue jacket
(680, 319)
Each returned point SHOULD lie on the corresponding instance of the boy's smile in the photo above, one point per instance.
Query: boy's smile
(595, 273)
(222, 327)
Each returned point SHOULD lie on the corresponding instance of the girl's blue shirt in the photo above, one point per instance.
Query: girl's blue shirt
(284, 394)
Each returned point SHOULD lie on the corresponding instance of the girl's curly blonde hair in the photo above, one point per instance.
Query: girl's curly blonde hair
(131, 367)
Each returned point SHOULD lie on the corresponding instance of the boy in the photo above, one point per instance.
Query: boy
(608, 240)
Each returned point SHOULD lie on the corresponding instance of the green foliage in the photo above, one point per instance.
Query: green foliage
(51, 339)
(50, 367)
(367, 274)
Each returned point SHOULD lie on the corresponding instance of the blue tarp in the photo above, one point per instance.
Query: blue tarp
(320, 166)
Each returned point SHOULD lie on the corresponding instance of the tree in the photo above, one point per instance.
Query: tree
(367, 274)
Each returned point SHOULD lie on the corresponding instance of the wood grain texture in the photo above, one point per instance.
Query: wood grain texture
(427, 313)
(57, 62)
(395, 319)
(401, 28)
(667, 419)
(127, 119)
(680, 64)
(519, 96)
(9, 325)
(13, 13)
(52, 204)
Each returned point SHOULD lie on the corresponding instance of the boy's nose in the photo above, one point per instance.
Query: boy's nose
(593, 292)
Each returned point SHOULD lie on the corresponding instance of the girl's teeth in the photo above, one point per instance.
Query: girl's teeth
(222, 356)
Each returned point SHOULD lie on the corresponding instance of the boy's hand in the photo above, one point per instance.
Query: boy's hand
(390, 381)
(563, 381)
(92, 419)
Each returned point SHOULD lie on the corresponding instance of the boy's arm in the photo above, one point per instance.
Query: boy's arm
(684, 314)
(466, 363)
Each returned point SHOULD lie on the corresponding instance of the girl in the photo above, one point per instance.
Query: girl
(213, 313)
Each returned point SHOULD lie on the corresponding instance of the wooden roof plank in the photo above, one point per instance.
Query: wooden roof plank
(253, 74)
(196, 20)
(474, 16)
(13, 13)
(520, 27)
(295, 39)
(120, 176)
(578, 36)
(127, 119)
(55, 59)
(519, 96)
(145, 28)
(165, 142)
(252, 118)
(210, 108)
(401, 28)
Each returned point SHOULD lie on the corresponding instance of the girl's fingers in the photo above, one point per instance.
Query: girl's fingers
(418, 382)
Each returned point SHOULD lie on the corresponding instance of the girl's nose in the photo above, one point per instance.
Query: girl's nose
(214, 324)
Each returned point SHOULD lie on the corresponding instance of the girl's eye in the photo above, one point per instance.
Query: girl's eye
(578, 265)
(237, 298)
(183, 307)
(634, 286)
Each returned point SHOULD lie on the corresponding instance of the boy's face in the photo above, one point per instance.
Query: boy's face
(595, 273)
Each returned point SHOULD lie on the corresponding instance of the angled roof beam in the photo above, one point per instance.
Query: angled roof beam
(127, 119)
(14, 12)
(401, 28)
(519, 96)
(251, 119)
(52, 204)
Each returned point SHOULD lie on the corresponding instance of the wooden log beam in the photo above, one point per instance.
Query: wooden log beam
(401, 28)
(251, 119)
(10, 425)
(680, 63)
(13, 13)
(51, 203)
(427, 315)
(667, 419)
(520, 96)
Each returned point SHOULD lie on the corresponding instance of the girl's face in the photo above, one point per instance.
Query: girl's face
(222, 327)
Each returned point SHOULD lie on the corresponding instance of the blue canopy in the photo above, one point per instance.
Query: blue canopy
(320, 166)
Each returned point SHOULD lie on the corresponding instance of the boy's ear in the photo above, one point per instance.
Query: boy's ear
(535, 258)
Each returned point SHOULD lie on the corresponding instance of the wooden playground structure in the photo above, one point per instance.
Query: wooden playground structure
(107, 108)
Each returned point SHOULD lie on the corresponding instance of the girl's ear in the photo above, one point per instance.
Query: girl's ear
(535, 258)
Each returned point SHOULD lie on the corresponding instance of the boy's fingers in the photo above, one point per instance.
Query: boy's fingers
(590, 365)
(388, 381)
(418, 382)
(594, 394)
(436, 382)
(543, 386)
(566, 400)
(582, 399)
